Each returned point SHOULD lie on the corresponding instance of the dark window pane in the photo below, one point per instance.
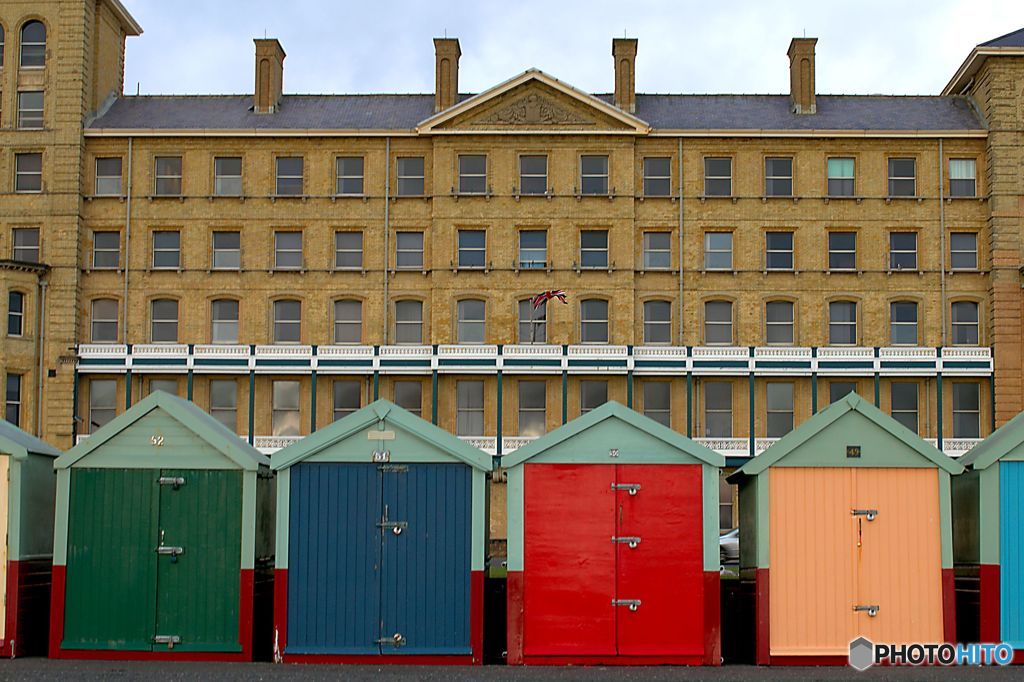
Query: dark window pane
(842, 250)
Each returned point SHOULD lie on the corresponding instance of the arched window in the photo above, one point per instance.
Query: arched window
(718, 323)
(408, 322)
(104, 320)
(164, 320)
(471, 313)
(657, 322)
(778, 316)
(903, 323)
(842, 323)
(3, 44)
(965, 323)
(224, 321)
(287, 321)
(594, 321)
(533, 322)
(348, 321)
(33, 44)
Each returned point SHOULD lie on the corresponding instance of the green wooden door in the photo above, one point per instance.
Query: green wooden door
(111, 565)
(197, 590)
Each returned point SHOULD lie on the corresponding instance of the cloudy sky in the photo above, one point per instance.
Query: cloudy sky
(869, 46)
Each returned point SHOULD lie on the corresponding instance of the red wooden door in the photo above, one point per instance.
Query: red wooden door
(568, 561)
(665, 570)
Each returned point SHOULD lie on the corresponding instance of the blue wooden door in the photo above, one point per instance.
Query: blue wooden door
(1011, 552)
(425, 584)
(334, 559)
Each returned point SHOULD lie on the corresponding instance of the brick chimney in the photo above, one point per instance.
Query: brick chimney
(801, 76)
(624, 52)
(446, 72)
(269, 75)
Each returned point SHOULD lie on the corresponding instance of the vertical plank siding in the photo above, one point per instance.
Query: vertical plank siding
(900, 558)
(198, 593)
(334, 559)
(812, 582)
(426, 568)
(569, 563)
(1011, 550)
(110, 598)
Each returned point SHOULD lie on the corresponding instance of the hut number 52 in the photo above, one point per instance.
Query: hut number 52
(156, 441)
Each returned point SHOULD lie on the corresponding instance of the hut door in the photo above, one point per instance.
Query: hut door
(569, 562)
(1011, 552)
(334, 559)
(198, 554)
(425, 567)
(660, 557)
(899, 556)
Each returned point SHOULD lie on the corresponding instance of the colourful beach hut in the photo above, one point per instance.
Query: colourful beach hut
(613, 545)
(27, 489)
(845, 531)
(988, 535)
(161, 515)
(381, 540)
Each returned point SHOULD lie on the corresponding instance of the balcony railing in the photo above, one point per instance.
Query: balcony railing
(728, 447)
(537, 359)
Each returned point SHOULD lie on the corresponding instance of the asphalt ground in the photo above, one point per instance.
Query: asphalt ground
(66, 671)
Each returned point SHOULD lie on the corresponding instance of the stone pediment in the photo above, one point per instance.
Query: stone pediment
(533, 102)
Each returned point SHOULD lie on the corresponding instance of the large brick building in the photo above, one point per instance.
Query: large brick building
(732, 263)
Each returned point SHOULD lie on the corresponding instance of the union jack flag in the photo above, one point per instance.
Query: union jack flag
(545, 296)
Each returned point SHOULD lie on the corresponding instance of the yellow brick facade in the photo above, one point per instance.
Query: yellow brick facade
(84, 67)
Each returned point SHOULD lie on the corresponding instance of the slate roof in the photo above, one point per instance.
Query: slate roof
(404, 112)
(1014, 39)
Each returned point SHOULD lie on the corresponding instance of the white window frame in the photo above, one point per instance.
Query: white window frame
(220, 328)
(340, 252)
(595, 322)
(289, 177)
(593, 177)
(164, 321)
(348, 323)
(470, 178)
(283, 324)
(30, 118)
(708, 251)
(104, 184)
(409, 324)
(341, 178)
(223, 183)
(20, 251)
(25, 176)
(280, 251)
(532, 176)
(94, 320)
(224, 251)
(163, 179)
(650, 252)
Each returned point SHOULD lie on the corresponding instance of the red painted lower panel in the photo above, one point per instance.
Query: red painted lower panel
(948, 605)
(7, 646)
(280, 613)
(989, 598)
(1018, 657)
(762, 617)
(614, 660)
(245, 630)
(57, 609)
(476, 616)
(712, 618)
(514, 617)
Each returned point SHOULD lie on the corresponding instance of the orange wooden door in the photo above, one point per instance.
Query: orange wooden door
(812, 576)
(899, 557)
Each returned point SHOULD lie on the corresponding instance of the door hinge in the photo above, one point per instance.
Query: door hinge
(396, 640)
(633, 604)
(631, 488)
(174, 481)
(869, 514)
(631, 540)
(870, 609)
(169, 640)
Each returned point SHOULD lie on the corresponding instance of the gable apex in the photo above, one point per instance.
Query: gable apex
(535, 110)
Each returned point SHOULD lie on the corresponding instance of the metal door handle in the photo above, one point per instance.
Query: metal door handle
(869, 514)
(633, 604)
(870, 609)
(631, 488)
(170, 551)
(630, 540)
(396, 640)
(169, 640)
